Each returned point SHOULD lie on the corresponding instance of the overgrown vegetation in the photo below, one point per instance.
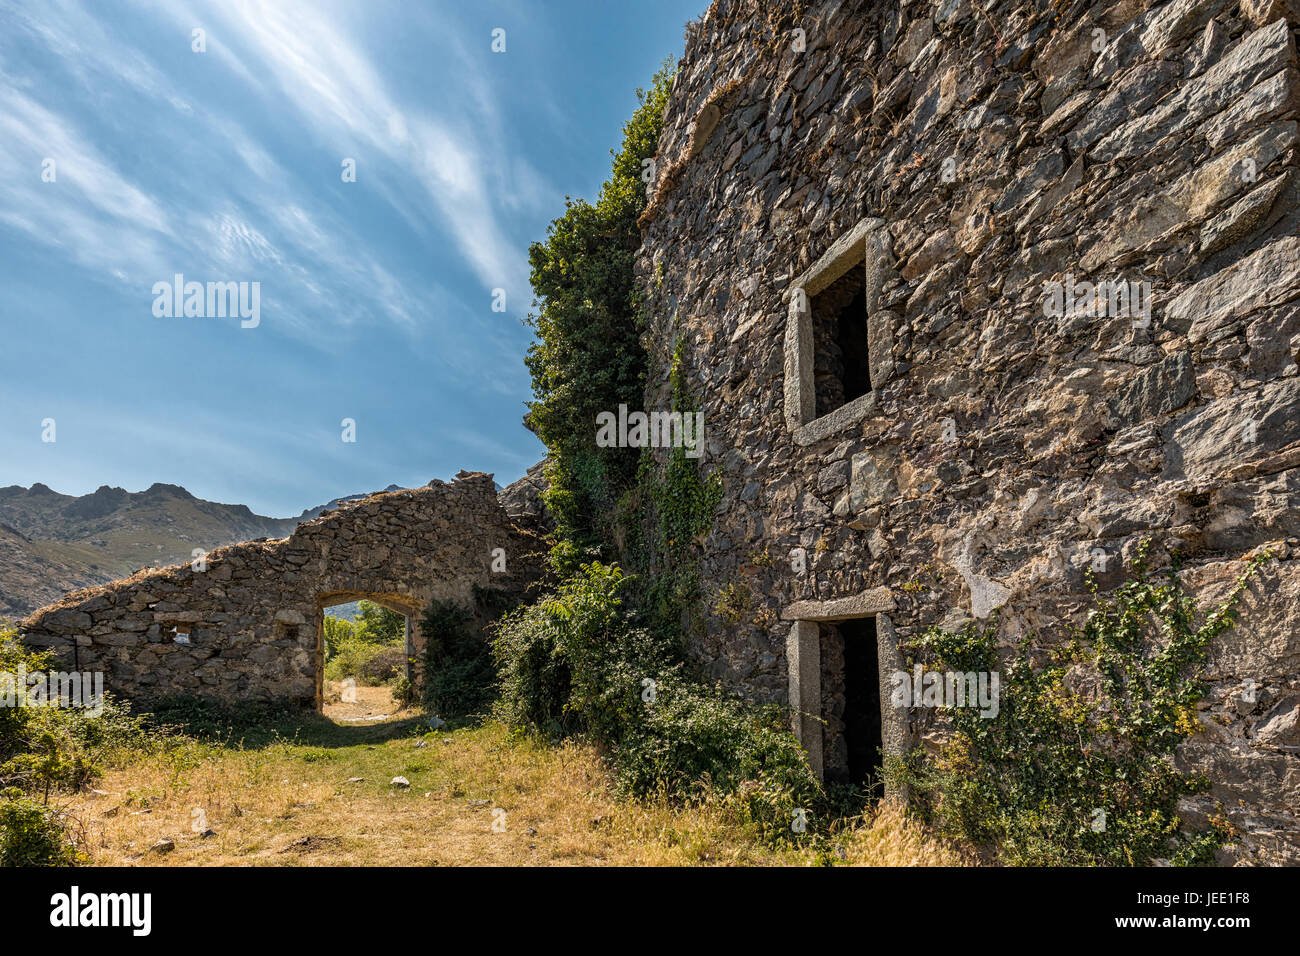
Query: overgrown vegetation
(48, 750)
(1077, 766)
(587, 355)
(579, 662)
(604, 655)
(371, 650)
(459, 679)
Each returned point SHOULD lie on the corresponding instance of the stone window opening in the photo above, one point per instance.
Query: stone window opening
(838, 340)
(841, 365)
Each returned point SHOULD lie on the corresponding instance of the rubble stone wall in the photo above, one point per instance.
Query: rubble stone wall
(249, 616)
(966, 156)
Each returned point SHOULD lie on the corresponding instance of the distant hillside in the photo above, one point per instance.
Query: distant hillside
(51, 543)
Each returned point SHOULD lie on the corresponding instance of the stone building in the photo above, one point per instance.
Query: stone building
(245, 622)
(976, 297)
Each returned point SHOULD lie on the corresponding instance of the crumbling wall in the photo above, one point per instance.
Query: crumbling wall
(969, 154)
(250, 614)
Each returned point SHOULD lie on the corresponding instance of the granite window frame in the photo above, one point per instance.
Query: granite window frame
(867, 244)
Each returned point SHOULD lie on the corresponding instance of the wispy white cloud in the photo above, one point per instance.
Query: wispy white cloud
(342, 97)
(79, 203)
(440, 164)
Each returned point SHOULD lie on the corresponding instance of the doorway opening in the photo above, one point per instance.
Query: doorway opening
(366, 650)
(851, 705)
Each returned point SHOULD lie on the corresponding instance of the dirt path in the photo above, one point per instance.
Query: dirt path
(357, 704)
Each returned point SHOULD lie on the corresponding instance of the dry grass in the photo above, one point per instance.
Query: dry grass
(892, 838)
(477, 796)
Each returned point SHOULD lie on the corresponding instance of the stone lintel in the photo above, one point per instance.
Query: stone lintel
(870, 602)
(844, 254)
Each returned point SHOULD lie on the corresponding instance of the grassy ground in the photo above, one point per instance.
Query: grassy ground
(320, 792)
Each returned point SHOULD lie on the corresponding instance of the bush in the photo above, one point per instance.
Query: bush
(573, 662)
(577, 663)
(1076, 768)
(32, 834)
(44, 749)
(696, 739)
(459, 679)
(366, 663)
(385, 664)
(534, 674)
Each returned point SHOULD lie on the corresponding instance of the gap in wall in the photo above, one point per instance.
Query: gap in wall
(851, 704)
(841, 370)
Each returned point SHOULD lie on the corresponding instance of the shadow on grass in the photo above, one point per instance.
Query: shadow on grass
(254, 726)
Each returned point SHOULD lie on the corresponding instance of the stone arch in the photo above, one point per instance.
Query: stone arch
(406, 605)
(251, 613)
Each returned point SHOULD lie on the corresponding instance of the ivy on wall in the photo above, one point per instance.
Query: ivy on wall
(1076, 767)
(587, 357)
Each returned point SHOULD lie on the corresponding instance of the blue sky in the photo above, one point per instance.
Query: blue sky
(226, 166)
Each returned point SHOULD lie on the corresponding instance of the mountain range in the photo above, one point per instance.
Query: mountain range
(52, 543)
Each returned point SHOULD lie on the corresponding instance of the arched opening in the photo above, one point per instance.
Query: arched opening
(365, 651)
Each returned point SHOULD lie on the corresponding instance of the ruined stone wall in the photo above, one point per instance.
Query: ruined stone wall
(965, 156)
(253, 611)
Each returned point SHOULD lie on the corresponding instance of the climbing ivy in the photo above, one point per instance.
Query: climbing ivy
(664, 519)
(587, 357)
(1076, 768)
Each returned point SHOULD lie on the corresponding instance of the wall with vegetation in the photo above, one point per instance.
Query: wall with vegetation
(1006, 451)
(251, 614)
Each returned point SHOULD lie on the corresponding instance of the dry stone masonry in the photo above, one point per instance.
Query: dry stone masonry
(861, 213)
(245, 624)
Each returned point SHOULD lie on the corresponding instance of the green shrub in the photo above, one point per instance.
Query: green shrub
(32, 834)
(573, 662)
(533, 672)
(366, 663)
(1076, 768)
(576, 662)
(44, 749)
(404, 691)
(459, 679)
(696, 739)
